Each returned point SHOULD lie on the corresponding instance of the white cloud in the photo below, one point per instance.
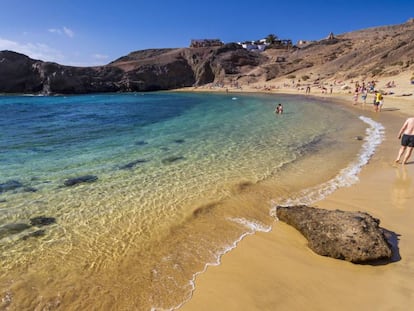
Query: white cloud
(34, 50)
(64, 30)
(100, 56)
(7, 44)
(55, 30)
(68, 32)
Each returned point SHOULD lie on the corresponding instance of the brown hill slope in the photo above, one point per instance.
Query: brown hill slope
(365, 54)
(383, 51)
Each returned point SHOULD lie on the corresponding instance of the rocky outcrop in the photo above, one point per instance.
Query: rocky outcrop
(18, 74)
(351, 236)
(21, 74)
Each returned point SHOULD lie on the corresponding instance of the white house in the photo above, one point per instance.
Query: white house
(254, 46)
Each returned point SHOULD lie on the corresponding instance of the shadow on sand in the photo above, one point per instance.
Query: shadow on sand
(392, 239)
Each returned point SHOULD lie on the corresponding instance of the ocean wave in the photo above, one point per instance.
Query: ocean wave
(347, 176)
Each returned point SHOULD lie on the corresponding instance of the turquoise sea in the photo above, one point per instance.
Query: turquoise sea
(171, 182)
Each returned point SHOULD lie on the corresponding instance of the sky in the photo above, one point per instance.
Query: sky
(90, 32)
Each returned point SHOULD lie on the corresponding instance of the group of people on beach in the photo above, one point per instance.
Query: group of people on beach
(406, 133)
(363, 90)
(360, 89)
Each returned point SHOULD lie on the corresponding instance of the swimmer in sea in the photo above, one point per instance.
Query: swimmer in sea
(406, 134)
(279, 109)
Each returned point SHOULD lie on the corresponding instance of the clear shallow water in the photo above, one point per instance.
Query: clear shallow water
(180, 179)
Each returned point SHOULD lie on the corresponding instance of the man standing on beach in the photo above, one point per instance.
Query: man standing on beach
(407, 140)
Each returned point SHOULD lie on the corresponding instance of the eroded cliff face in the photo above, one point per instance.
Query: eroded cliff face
(18, 73)
(21, 74)
(148, 70)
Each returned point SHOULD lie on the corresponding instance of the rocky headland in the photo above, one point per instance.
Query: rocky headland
(147, 70)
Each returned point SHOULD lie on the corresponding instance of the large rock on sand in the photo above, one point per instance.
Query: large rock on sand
(351, 236)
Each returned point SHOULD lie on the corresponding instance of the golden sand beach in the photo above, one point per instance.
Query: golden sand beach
(277, 271)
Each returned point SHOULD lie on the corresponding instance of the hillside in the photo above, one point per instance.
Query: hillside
(365, 54)
(361, 55)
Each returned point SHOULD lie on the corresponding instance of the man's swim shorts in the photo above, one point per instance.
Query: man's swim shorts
(407, 140)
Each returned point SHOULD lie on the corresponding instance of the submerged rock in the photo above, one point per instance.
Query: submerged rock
(141, 143)
(35, 234)
(10, 229)
(29, 189)
(16, 228)
(41, 221)
(132, 164)
(172, 159)
(10, 185)
(350, 236)
(82, 179)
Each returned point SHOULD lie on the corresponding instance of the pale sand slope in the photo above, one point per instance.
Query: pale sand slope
(277, 271)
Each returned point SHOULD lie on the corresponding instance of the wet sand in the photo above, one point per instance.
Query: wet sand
(277, 271)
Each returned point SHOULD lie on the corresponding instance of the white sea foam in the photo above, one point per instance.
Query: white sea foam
(347, 176)
(253, 226)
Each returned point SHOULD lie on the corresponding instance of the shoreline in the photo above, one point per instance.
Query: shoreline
(276, 270)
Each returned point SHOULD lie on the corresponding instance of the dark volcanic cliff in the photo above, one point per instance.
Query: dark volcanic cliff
(147, 70)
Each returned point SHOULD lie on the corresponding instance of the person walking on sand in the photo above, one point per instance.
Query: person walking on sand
(381, 101)
(356, 95)
(377, 101)
(364, 95)
(406, 134)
